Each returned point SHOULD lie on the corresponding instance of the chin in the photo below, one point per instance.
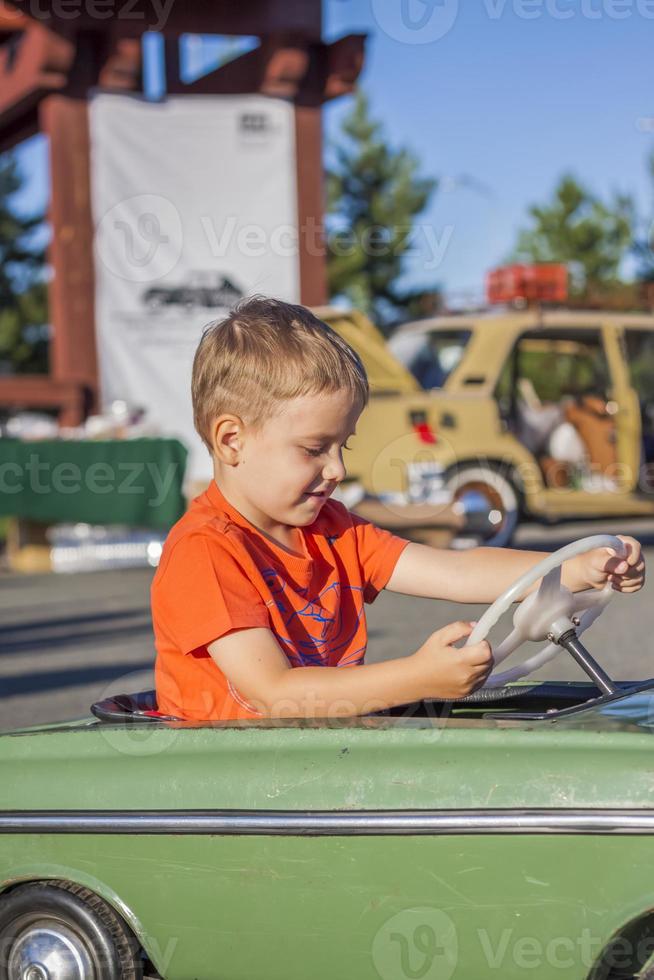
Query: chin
(305, 521)
(311, 513)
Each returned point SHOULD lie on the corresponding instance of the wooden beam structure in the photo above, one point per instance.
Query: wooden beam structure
(53, 55)
(131, 18)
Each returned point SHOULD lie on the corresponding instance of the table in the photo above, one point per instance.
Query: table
(137, 482)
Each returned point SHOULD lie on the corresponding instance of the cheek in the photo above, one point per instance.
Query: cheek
(299, 469)
(286, 467)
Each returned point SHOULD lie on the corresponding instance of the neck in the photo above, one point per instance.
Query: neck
(287, 535)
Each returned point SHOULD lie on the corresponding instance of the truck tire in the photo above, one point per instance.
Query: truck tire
(489, 502)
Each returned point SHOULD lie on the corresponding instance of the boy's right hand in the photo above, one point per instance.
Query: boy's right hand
(450, 672)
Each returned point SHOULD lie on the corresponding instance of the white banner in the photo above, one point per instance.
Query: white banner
(195, 205)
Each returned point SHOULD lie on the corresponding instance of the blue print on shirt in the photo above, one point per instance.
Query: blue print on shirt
(318, 629)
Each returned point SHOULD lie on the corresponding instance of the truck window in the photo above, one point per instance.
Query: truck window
(639, 351)
(552, 395)
(550, 367)
(430, 356)
(640, 357)
(557, 365)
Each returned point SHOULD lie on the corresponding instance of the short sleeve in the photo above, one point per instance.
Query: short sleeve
(378, 552)
(202, 593)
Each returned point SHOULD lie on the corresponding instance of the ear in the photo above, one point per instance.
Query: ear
(227, 440)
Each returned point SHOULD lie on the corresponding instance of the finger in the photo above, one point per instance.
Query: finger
(480, 678)
(629, 574)
(633, 548)
(454, 631)
(607, 561)
(482, 672)
(627, 584)
(479, 655)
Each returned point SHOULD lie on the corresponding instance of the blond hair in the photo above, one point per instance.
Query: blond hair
(264, 353)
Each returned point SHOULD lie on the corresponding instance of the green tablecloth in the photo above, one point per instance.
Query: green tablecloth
(132, 481)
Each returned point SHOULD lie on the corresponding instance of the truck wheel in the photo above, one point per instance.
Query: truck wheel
(488, 502)
(55, 930)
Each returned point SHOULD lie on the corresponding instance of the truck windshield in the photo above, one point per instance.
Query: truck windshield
(431, 356)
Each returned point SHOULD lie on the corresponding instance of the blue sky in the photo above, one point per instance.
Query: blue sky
(511, 102)
(512, 95)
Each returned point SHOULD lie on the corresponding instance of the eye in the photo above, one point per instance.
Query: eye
(323, 449)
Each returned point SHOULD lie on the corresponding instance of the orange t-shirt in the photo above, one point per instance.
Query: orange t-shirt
(219, 573)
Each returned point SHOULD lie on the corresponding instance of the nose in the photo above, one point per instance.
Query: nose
(334, 470)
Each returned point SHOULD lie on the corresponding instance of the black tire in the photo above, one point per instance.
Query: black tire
(496, 486)
(60, 919)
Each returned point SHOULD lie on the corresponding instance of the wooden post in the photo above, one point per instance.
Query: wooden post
(310, 204)
(73, 358)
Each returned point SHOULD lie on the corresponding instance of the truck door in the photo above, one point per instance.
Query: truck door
(637, 350)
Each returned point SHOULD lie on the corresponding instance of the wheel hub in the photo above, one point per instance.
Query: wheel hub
(49, 951)
(482, 507)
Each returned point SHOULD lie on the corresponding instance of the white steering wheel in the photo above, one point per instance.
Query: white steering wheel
(547, 613)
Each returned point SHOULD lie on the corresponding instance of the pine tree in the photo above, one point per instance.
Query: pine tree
(374, 195)
(579, 229)
(23, 293)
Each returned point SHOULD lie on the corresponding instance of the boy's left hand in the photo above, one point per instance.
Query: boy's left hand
(602, 565)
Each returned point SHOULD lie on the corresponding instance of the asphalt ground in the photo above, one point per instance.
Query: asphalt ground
(69, 640)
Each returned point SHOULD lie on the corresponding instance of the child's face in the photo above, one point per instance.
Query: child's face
(294, 462)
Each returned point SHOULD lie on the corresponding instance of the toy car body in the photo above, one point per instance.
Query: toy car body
(483, 438)
(433, 841)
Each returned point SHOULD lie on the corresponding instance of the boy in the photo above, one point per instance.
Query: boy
(265, 574)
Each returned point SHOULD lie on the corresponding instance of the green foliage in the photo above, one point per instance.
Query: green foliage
(578, 228)
(23, 294)
(373, 193)
(555, 374)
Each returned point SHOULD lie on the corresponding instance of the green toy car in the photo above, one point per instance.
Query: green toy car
(505, 835)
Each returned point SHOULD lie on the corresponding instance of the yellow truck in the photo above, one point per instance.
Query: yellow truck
(549, 414)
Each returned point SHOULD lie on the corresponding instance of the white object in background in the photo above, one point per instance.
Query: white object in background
(349, 494)
(93, 547)
(32, 425)
(535, 425)
(566, 444)
(194, 203)
(427, 483)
